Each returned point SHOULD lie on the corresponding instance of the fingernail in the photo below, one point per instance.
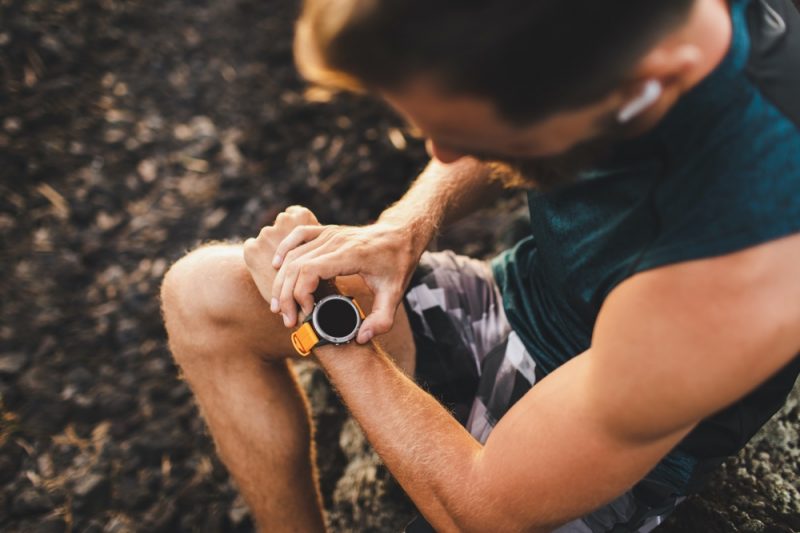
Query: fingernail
(285, 320)
(276, 261)
(274, 305)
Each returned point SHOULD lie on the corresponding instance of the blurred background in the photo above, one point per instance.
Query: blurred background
(130, 132)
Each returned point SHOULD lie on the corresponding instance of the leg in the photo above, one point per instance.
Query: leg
(232, 351)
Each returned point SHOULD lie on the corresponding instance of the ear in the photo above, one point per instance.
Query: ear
(673, 66)
(659, 79)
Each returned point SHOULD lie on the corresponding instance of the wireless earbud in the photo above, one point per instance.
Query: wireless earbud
(650, 95)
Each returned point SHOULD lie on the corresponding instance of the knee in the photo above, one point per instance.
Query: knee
(206, 291)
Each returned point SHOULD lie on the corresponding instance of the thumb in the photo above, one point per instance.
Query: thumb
(381, 319)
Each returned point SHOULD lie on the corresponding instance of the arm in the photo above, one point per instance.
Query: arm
(384, 254)
(671, 347)
(441, 195)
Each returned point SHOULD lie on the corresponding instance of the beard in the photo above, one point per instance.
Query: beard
(553, 172)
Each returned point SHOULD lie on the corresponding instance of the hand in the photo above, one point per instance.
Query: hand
(259, 252)
(382, 254)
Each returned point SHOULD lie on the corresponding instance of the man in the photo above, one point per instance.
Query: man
(590, 377)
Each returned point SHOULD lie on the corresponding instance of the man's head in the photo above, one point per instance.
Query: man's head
(514, 80)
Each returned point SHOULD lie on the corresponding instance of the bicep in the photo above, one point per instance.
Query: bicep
(553, 457)
(695, 337)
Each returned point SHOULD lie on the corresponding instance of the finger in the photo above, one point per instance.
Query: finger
(294, 259)
(381, 318)
(251, 251)
(306, 283)
(297, 215)
(286, 300)
(300, 283)
(324, 267)
(298, 236)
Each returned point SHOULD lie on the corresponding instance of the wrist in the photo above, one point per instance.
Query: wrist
(416, 231)
(331, 356)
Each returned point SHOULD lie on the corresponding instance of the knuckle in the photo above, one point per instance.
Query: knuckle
(250, 250)
(298, 234)
(386, 322)
(300, 293)
(305, 270)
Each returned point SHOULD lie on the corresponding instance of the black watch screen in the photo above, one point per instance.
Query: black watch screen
(336, 318)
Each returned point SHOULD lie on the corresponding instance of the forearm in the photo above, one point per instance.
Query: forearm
(441, 195)
(428, 452)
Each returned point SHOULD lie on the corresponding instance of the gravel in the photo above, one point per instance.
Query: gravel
(130, 132)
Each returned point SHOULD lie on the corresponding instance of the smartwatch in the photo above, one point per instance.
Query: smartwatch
(334, 320)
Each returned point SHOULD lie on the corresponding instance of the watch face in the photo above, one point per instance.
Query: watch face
(336, 319)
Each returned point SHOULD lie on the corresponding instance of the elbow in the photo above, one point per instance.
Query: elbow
(477, 503)
(482, 509)
(481, 522)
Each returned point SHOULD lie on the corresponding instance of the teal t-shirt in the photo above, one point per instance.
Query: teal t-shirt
(720, 173)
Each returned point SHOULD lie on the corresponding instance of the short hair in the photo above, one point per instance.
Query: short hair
(529, 57)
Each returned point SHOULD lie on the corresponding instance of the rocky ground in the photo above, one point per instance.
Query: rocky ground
(131, 131)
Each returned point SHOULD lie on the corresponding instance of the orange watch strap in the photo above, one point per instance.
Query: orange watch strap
(360, 311)
(304, 339)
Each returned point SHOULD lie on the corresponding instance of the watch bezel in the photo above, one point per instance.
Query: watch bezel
(321, 332)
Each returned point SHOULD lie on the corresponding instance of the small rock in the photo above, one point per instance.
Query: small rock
(113, 403)
(91, 492)
(161, 517)
(753, 526)
(93, 526)
(30, 501)
(8, 468)
(80, 378)
(43, 414)
(132, 495)
(39, 379)
(12, 124)
(12, 363)
(51, 524)
(119, 524)
(148, 170)
(238, 512)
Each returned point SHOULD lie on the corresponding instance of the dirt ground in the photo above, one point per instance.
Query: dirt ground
(130, 132)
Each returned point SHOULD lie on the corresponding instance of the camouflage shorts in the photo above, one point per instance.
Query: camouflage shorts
(470, 359)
